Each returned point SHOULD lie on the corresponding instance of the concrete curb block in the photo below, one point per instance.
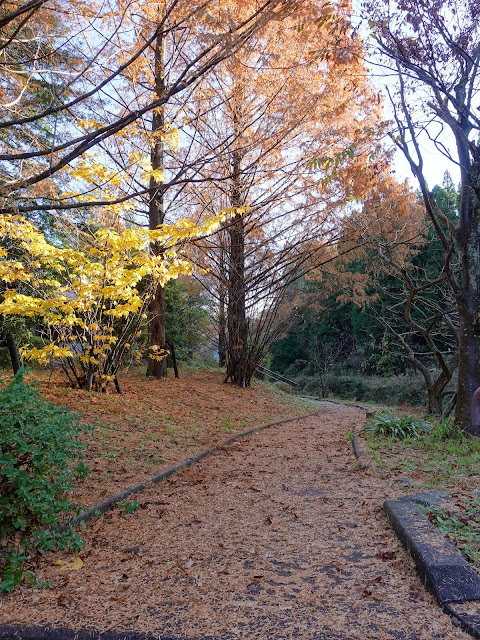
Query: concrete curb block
(108, 503)
(445, 573)
(359, 450)
(21, 632)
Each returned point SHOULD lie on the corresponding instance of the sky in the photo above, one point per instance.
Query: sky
(435, 166)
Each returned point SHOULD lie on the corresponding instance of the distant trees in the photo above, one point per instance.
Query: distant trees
(385, 301)
(417, 307)
(187, 310)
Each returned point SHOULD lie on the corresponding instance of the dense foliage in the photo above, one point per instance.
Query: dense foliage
(40, 459)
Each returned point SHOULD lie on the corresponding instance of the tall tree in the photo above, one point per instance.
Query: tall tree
(156, 212)
(262, 112)
(433, 47)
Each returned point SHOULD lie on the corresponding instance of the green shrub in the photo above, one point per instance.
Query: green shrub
(388, 424)
(40, 458)
(397, 390)
(283, 386)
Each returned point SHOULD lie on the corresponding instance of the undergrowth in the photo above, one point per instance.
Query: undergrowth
(441, 456)
(40, 459)
(389, 424)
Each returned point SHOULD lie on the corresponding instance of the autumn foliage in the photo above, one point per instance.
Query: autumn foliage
(91, 297)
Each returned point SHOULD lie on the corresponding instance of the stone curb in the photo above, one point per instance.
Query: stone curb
(21, 632)
(359, 450)
(108, 503)
(345, 403)
(445, 573)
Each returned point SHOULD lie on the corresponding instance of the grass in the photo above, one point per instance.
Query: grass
(442, 458)
(461, 527)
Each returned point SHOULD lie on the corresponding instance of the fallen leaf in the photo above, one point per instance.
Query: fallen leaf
(64, 600)
(73, 565)
(386, 555)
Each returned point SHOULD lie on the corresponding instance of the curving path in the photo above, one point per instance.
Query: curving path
(280, 536)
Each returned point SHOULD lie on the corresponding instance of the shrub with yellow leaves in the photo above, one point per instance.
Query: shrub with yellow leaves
(90, 299)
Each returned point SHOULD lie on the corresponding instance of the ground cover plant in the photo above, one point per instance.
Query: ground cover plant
(460, 523)
(40, 459)
(402, 426)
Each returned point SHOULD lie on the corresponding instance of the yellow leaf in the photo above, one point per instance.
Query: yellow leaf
(73, 565)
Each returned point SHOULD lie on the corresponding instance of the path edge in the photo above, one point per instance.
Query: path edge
(23, 632)
(406, 519)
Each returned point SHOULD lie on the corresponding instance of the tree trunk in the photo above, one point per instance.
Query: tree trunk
(222, 300)
(236, 315)
(156, 316)
(222, 330)
(236, 318)
(469, 359)
(468, 297)
(434, 402)
(13, 351)
(157, 368)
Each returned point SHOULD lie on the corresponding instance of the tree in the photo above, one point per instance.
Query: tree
(135, 168)
(90, 296)
(90, 83)
(262, 110)
(434, 49)
(188, 314)
(404, 263)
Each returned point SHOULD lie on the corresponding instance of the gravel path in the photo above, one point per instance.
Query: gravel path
(279, 536)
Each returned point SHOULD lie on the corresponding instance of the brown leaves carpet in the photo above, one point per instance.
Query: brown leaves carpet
(279, 536)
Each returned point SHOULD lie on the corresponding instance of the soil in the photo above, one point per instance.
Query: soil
(281, 535)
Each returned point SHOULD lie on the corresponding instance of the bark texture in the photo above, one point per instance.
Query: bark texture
(156, 214)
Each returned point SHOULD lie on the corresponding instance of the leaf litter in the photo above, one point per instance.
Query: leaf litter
(278, 536)
(156, 423)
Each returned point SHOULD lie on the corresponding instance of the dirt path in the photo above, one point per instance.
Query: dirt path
(280, 536)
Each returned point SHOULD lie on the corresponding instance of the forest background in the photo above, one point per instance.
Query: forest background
(179, 173)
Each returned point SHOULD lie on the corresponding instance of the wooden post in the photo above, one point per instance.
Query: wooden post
(174, 359)
(12, 349)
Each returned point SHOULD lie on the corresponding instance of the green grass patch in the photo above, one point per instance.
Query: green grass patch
(461, 527)
(439, 457)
